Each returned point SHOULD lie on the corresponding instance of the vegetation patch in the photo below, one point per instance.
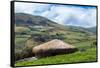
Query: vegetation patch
(88, 56)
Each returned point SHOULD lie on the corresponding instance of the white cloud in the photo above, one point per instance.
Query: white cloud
(30, 8)
(62, 14)
(79, 16)
(23, 7)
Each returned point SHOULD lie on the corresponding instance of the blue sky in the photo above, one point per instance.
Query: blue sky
(84, 16)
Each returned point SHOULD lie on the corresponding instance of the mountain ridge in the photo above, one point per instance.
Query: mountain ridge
(23, 18)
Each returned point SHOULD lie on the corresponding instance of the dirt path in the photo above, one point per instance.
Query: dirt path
(27, 59)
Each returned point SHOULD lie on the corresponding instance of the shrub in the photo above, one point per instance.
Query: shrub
(25, 53)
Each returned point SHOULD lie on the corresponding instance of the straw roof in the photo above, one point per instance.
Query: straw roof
(52, 45)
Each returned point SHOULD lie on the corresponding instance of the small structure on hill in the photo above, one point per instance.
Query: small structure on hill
(52, 48)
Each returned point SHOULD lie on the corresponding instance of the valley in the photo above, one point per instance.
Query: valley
(31, 31)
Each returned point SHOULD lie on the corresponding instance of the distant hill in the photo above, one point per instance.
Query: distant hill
(81, 29)
(92, 29)
(23, 19)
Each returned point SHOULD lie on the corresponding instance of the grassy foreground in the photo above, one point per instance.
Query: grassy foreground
(88, 56)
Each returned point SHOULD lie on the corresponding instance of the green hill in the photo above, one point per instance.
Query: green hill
(33, 30)
(92, 29)
(23, 19)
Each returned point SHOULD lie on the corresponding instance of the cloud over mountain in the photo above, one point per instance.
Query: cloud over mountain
(84, 16)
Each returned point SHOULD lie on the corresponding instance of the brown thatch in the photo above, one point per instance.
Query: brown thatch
(53, 47)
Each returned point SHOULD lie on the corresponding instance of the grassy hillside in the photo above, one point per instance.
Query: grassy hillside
(32, 30)
(88, 55)
(92, 29)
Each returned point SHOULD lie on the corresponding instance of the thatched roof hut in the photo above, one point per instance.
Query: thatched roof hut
(53, 47)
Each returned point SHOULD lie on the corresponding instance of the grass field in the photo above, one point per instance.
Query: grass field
(87, 55)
